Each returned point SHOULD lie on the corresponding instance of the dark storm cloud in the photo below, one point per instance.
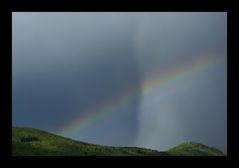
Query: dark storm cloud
(171, 38)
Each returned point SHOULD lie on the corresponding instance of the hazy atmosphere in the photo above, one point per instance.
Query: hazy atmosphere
(143, 79)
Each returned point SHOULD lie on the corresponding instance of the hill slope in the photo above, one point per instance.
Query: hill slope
(194, 149)
(29, 141)
(34, 142)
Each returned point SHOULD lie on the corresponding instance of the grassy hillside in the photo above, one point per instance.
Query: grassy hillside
(29, 141)
(34, 142)
(194, 149)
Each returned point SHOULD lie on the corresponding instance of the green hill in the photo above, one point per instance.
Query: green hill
(34, 142)
(194, 149)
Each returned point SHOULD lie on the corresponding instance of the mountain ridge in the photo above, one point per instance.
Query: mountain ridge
(36, 142)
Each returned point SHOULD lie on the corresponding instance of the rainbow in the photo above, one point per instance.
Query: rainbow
(154, 82)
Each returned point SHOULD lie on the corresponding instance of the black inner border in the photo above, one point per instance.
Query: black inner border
(7, 7)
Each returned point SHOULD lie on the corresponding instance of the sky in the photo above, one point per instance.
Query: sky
(146, 79)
